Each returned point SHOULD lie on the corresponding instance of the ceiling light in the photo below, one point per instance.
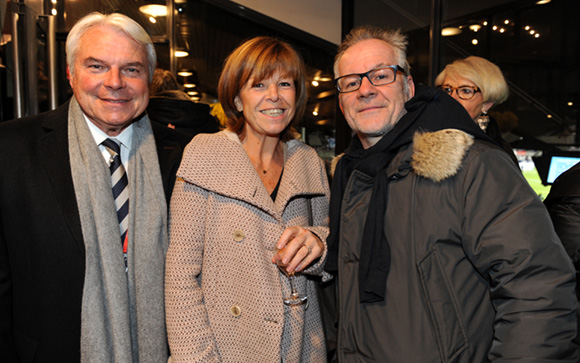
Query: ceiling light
(474, 41)
(475, 27)
(506, 22)
(154, 9)
(316, 109)
(527, 27)
(192, 93)
(321, 78)
(181, 53)
(189, 85)
(446, 32)
(152, 19)
(570, 103)
(537, 35)
(542, 2)
(502, 30)
(494, 27)
(185, 73)
(485, 23)
(549, 116)
(315, 83)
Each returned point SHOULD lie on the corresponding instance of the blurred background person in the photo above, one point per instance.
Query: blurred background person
(478, 85)
(563, 204)
(242, 195)
(172, 107)
(163, 81)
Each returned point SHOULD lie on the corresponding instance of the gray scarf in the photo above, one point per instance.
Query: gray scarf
(123, 316)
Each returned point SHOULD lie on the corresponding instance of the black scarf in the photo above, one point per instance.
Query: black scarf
(430, 110)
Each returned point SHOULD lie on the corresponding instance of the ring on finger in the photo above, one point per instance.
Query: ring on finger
(309, 249)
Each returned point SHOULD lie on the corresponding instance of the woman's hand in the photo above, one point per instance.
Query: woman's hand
(297, 248)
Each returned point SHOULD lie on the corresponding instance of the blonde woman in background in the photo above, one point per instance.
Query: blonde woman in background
(478, 85)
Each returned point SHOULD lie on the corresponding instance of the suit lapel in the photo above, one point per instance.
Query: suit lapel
(53, 148)
(170, 146)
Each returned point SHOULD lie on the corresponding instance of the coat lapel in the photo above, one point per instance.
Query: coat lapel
(53, 148)
(298, 179)
(170, 144)
(220, 164)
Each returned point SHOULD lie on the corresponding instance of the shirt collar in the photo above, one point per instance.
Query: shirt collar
(99, 135)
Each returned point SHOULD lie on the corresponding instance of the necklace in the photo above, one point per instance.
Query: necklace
(265, 169)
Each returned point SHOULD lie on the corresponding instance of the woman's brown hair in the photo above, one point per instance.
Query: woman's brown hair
(260, 58)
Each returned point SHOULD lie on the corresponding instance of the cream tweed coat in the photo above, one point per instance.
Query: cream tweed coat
(223, 294)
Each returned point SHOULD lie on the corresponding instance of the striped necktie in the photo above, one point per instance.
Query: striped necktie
(120, 185)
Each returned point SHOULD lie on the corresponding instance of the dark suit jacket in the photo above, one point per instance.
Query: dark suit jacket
(42, 253)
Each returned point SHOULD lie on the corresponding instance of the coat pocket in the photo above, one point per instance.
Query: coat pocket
(444, 311)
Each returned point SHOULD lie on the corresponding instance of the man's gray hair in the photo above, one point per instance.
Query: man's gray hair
(396, 39)
(116, 21)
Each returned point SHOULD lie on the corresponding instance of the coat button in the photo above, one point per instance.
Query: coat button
(238, 235)
(236, 311)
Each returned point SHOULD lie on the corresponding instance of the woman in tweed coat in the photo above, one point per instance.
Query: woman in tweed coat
(241, 195)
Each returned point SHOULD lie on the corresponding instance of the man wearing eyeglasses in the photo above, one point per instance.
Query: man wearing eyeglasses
(441, 250)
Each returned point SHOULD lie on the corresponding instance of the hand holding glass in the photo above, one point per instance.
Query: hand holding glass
(295, 298)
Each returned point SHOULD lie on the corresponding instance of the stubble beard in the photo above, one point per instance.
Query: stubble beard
(391, 125)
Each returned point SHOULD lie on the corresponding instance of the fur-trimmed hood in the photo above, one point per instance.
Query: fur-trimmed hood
(436, 155)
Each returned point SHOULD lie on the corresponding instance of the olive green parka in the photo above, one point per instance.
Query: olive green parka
(477, 272)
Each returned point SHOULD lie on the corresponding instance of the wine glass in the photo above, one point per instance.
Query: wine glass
(295, 298)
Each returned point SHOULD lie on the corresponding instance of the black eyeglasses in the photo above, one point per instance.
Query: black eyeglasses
(378, 77)
(463, 92)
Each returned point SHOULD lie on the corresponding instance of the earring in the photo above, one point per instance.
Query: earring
(482, 120)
